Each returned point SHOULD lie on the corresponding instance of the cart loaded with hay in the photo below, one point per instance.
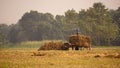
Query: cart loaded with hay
(76, 42)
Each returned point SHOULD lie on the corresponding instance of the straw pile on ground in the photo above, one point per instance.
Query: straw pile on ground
(54, 45)
(78, 41)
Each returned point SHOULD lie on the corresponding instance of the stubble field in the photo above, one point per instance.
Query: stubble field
(99, 57)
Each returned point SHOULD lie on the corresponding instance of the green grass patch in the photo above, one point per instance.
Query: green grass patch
(30, 44)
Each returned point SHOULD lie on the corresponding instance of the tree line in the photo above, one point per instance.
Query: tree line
(98, 22)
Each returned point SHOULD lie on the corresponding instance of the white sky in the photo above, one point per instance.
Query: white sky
(12, 10)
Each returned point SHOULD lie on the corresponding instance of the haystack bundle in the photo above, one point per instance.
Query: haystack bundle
(80, 41)
(53, 45)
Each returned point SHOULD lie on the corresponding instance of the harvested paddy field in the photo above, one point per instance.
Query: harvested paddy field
(99, 57)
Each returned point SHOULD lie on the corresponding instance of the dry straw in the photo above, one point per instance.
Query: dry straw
(80, 41)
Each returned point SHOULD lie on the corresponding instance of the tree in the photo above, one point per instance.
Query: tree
(3, 33)
(39, 26)
(71, 16)
(98, 24)
(13, 33)
(115, 14)
(71, 22)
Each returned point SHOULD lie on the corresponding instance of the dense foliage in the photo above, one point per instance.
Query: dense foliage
(102, 24)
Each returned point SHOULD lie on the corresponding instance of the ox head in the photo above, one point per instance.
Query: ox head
(65, 46)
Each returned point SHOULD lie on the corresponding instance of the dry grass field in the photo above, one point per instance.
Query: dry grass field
(99, 57)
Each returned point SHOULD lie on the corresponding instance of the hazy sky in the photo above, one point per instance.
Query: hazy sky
(12, 10)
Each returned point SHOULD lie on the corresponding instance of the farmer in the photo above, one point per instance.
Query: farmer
(77, 31)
